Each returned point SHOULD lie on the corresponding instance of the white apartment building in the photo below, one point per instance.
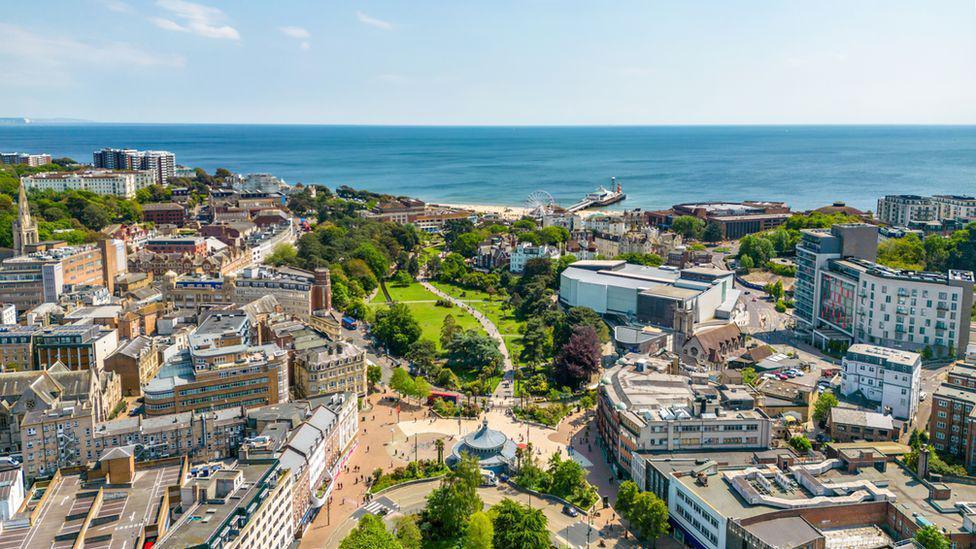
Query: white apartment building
(955, 206)
(902, 209)
(607, 224)
(525, 252)
(122, 183)
(890, 377)
(32, 160)
(843, 296)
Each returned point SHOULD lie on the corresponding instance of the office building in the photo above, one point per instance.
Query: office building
(136, 362)
(843, 297)
(76, 346)
(735, 219)
(221, 369)
(247, 505)
(121, 183)
(41, 276)
(339, 367)
(17, 346)
(292, 288)
(642, 409)
(889, 377)
(665, 297)
(162, 164)
(32, 160)
(24, 227)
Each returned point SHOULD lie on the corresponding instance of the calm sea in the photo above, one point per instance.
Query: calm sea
(807, 166)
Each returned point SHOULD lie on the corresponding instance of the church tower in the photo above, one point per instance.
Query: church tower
(25, 228)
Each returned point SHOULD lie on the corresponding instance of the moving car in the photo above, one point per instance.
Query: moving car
(571, 511)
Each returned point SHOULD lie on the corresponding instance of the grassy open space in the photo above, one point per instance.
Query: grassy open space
(431, 317)
(496, 309)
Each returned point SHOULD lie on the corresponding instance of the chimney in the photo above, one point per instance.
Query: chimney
(321, 297)
(923, 463)
(675, 368)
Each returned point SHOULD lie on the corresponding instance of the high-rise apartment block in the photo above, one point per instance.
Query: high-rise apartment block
(842, 296)
(161, 163)
(904, 210)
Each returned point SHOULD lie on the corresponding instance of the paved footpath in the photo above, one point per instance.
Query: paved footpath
(504, 395)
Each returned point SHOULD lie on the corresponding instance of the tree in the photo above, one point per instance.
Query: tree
(774, 289)
(579, 316)
(420, 389)
(553, 235)
(749, 376)
(568, 479)
(536, 341)
(688, 226)
(801, 444)
(648, 516)
(449, 328)
(518, 526)
(401, 382)
(826, 401)
(408, 533)
(439, 445)
(712, 232)
(650, 260)
(757, 248)
(375, 259)
(907, 252)
(746, 263)
(479, 533)
(396, 328)
(423, 354)
(467, 243)
(625, 497)
(374, 374)
(450, 506)
(580, 357)
(370, 533)
(918, 439)
(471, 350)
(930, 537)
(282, 254)
(402, 278)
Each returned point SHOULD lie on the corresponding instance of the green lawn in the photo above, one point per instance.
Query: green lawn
(494, 308)
(431, 317)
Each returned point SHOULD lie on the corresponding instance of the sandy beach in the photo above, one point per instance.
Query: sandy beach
(506, 212)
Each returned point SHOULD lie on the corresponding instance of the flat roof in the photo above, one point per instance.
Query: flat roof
(784, 532)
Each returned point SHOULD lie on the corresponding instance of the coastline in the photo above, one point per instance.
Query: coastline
(516, 212)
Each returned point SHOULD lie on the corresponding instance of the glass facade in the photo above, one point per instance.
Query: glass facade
(837, 302)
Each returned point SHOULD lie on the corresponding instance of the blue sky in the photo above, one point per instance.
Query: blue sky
(492, 62)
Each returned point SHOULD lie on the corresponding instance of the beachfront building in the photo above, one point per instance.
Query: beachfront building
(161, 164)
(25, 159)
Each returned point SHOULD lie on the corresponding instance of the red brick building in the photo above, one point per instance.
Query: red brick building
(164, 213)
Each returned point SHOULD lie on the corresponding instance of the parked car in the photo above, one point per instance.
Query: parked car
(571, 511)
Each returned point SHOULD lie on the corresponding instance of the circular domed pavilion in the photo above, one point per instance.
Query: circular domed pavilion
(493, 448)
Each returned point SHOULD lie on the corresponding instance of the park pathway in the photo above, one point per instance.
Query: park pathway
(504, 395)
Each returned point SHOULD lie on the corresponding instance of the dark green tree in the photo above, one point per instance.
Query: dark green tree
(518, 526)
(370, 533)
(396, 328)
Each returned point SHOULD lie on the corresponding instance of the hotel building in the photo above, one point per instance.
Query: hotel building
(338, 367)
(122, 183)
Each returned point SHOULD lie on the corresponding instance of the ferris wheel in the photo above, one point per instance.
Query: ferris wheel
(539, 201)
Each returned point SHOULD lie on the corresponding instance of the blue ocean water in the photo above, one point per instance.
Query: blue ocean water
(807, 166)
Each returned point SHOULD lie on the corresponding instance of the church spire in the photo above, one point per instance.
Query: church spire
(24, 227)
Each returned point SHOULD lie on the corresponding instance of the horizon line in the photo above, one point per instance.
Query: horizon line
(57, 121)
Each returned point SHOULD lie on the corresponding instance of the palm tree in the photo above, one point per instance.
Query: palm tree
(519, 452)
(439, 444)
